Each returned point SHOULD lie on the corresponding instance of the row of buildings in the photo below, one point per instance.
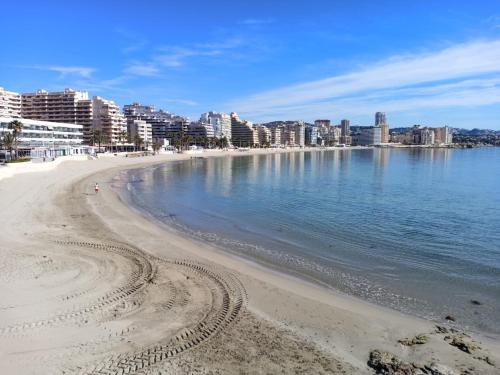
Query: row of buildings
(97, 115)
(95, 120)
(424, 135)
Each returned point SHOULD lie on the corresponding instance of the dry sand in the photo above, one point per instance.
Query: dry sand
(89, 286)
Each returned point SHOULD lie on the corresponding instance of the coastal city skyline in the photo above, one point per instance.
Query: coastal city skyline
(258, 65)
(43, 123)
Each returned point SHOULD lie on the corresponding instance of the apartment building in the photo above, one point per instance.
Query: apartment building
(380, 118)
(162, 122)
(287, 137)
(221, 123)
(10, 103)
(68, 106)
(290, 133)
(443, 135)
(243, 133)
(424, 136)
(199, 130)
(276, 135)
(384, 133)
(345, 132)
(177, 129)
(311, 135)
(368, 136)
(320, 123)
(137, 110)
(265, 137)
(139, 128)
(108, 119)
(300, 135)
(330, 136)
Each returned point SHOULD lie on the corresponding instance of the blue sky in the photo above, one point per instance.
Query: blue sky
(429, 62)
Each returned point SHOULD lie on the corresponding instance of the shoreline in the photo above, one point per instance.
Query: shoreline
(341, 327)
(294, 264)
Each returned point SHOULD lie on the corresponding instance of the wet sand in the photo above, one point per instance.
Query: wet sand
(91, 286)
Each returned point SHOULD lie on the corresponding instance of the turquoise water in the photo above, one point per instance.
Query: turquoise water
(413, 229)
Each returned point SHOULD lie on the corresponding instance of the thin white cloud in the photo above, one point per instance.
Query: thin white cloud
(64, 71)
(174, 56)
(256, 21)
(422, 73)
(466, 94)
(142, 69)
(225, 44)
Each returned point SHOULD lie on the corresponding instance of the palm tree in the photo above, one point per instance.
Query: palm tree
(98, 137)
(156, 146)
(223, 142)
(9, 142)
(122, 136)
(138, 141)
(17, 127)
(187, 140)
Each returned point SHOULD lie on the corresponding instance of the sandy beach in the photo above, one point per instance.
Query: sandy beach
(91, 286)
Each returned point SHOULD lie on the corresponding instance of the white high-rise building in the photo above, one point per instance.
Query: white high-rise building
(221, 123)
(10, 103)
(108, 118)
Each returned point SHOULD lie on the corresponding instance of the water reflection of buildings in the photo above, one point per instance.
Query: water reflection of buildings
(218, 174)
(253, 170)
(430, 154)
(380, 161)
(381, 158)
(267, 166)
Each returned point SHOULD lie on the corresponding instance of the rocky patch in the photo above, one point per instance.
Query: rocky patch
(386, 363)
(417, 340)
(463, 345)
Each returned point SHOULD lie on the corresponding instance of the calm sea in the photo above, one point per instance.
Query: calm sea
(413, 229)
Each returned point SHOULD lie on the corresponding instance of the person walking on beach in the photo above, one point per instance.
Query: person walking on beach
(96, 188)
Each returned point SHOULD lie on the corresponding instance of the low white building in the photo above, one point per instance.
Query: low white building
(47, 139)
